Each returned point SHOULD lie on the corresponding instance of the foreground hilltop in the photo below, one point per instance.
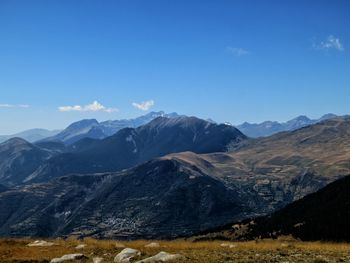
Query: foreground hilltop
(90, 250)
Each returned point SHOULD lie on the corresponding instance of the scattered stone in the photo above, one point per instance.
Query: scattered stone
(152, 245)
(67, 258)
(40, 243)
(81, 246)
(126, 254)
(162, 257)
(228, 245)
(97, 260)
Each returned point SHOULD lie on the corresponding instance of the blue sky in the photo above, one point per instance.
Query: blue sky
(226, 60)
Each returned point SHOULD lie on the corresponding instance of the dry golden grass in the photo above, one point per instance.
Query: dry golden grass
(16, 250)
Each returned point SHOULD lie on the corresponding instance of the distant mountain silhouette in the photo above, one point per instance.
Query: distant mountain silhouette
(268, 128)
(30, 135)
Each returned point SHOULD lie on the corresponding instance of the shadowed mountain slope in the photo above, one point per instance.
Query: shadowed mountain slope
(159, 199)
(323, 215)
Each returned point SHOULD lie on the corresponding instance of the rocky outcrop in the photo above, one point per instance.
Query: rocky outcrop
(126, 255)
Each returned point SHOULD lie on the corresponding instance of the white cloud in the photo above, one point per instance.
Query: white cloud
(331, 42)
(6, 105)
(145, 105)
(94, 106)
(237, 51)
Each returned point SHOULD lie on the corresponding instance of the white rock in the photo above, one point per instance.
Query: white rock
(228, 245)
(152, 245)
(97, 260)
(162, 257)
(67, 257)
(126, 254)
(40, 243)
(80, 246)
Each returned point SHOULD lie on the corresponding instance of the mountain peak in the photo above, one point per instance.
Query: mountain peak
(83, 123)
(301, 118)
(328, 116)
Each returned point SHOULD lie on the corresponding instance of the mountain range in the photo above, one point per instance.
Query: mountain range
(268, 128)
(91, 128)
(181, 193)
(127, 148)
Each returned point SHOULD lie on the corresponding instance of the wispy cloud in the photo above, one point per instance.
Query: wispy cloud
(23, 106)
(237, 51)
(6, 105)
(94, 107)
(144, 106)
(331, 43)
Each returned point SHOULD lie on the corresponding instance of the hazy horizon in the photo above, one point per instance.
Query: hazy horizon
(235, 124)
